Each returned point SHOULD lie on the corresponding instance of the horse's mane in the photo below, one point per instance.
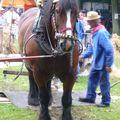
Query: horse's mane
(68, 4)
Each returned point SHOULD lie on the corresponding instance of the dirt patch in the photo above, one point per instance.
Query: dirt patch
(77, 112)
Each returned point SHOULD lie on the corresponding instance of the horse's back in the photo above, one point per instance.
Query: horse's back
(28, 15)
(26, 25)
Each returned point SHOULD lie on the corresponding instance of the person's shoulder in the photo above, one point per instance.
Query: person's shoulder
(103, 31)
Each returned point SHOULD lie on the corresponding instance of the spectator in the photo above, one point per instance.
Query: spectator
(80, 35)
(11, 16)
(80, 27)
(2, 18)
(12, 19)
(103, 57)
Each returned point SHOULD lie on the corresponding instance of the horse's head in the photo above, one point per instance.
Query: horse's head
(63, 20)
(59, 21)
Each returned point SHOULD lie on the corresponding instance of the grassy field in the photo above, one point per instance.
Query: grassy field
(10, 112)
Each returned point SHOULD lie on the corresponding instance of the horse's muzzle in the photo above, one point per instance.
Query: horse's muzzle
(66, 42)
(67, 45)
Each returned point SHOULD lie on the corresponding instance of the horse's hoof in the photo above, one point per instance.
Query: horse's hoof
(67, 114)
(67, 117)
(44, 113)
(42, 117)
(33, 101)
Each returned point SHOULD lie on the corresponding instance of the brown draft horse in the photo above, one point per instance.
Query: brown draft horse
(56, 39)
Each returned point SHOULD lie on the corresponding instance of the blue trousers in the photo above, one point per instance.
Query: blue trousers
(99, 77)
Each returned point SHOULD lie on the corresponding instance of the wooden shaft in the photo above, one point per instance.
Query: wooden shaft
(19, 59)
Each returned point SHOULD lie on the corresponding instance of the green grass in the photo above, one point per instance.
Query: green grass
(94, 113)
(10, 112)
(117, 61)
(82, 85)
(8, 82)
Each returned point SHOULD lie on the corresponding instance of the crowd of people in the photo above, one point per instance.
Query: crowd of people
(9, 19)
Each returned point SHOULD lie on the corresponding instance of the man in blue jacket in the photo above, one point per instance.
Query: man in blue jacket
(80, 27)
(103, 56)
(80, 30)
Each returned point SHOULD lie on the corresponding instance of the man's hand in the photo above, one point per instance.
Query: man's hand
(109, 69)
(81, 59)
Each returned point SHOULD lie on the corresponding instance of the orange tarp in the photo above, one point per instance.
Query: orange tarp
(18, 3)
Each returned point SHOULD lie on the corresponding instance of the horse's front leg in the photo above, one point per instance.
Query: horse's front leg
(44, 102)
(68, 83)
(33, 91)
(44, 86)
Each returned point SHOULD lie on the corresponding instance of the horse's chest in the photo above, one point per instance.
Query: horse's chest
(55, 65)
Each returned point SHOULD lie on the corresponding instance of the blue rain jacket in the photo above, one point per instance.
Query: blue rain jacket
(101, 49)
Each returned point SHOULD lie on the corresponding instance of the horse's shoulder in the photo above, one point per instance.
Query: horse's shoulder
(29, 13)
(31, 10)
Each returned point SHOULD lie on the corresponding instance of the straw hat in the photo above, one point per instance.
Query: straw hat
(92, 15)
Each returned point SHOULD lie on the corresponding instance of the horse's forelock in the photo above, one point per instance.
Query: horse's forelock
(68, 4)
